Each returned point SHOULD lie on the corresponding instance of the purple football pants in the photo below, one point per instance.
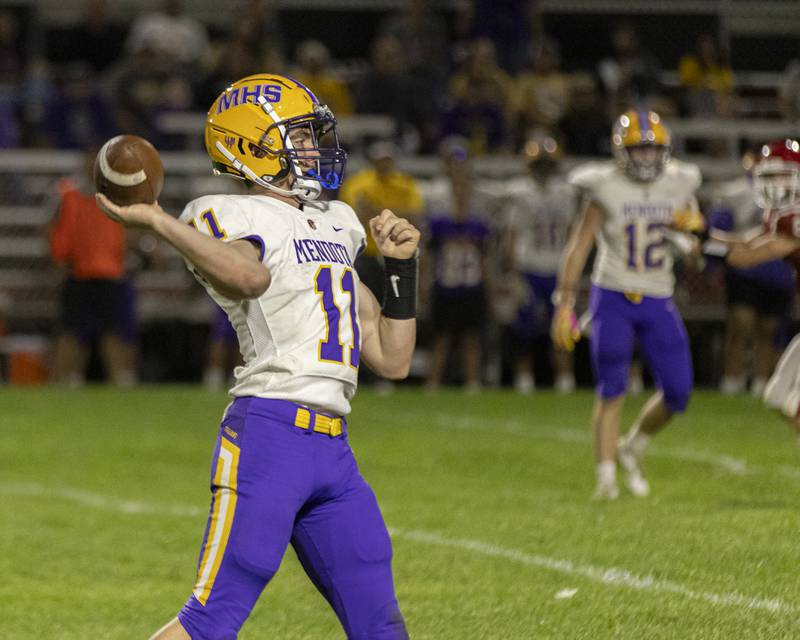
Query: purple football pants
(273, 484)
(662, 338)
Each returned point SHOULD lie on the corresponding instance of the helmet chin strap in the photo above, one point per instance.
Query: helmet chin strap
(308, 189)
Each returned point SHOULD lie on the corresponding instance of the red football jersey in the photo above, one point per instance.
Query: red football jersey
(785, 221)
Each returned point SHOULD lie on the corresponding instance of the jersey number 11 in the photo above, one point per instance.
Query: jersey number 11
(331, 348)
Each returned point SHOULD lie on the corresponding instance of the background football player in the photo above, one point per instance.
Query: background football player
(777, 183)
(759, 298)
(280, 263)
(542, 209)
(632, 209)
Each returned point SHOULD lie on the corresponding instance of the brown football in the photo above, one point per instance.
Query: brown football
(128, 170)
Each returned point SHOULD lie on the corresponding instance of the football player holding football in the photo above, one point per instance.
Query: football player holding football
(640, 210)
(280, 263)
(777, 183)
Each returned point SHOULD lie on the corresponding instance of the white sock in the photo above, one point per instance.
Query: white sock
(606, 472)
(731, 385)
(757, 386)
(214, 378)
(637, 442)
(524, 383)
(565, 383)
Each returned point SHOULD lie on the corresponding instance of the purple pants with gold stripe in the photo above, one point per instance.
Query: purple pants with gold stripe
(655, 322)
(275, 484)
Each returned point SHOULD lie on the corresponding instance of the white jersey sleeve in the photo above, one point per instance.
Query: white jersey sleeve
(301, 339)
(632, 253)
(222, 217)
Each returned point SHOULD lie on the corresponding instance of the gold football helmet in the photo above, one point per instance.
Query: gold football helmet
(639, 129)
(267, 127)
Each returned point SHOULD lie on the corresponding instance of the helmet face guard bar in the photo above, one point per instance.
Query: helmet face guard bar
(322, 164)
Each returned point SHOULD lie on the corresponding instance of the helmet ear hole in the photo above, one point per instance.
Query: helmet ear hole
(284, 163)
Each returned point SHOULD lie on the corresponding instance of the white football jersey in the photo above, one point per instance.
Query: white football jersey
(739, 196)
(632, 253)
(300, 340)
(540, 216)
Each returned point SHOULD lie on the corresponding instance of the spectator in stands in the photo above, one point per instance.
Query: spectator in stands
(232, 60)
(542, 209)
(790, 91)
(11, 66)
(313, 59)
(78, 112)
(631, 75)
(94, 39)
(12, 62)
(380, 186)
(254, 36)
(543, 91)
(425, 42)
(481, 102)
(585, 124)
(145, 88)
(36, 91)
(456, 275)
(513, 26)
(387, 88)
(173, 36)
(759, 298)
(97, 299)
(706, 80)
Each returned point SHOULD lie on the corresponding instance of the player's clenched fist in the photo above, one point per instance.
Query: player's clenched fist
(395, 237)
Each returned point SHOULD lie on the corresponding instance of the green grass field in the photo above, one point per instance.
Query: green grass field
(103, 499)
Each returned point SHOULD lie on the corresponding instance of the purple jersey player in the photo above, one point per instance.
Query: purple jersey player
(458, 244)
(280, 262)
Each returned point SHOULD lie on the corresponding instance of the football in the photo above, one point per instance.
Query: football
(128, 170)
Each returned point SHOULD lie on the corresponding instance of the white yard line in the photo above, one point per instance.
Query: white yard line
(613, 576)
(98, 501)
(606, 575)
(722, 462)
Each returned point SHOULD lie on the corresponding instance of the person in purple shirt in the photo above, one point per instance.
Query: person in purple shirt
(458, 258)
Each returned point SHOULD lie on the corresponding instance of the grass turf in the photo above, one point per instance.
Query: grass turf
(103, 496)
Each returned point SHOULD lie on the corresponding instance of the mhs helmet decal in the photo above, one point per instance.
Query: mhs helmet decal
(233, 96)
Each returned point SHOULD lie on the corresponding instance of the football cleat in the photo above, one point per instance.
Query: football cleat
(605, 491)
(634, 481)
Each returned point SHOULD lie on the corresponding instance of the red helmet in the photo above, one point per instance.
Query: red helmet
(777, 174)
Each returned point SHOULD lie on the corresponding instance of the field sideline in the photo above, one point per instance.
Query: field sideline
(103, 499)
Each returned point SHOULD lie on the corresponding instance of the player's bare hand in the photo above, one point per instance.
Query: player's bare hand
(395, 237)
(135, 215)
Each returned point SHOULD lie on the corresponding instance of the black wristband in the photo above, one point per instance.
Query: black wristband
(400, 288)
